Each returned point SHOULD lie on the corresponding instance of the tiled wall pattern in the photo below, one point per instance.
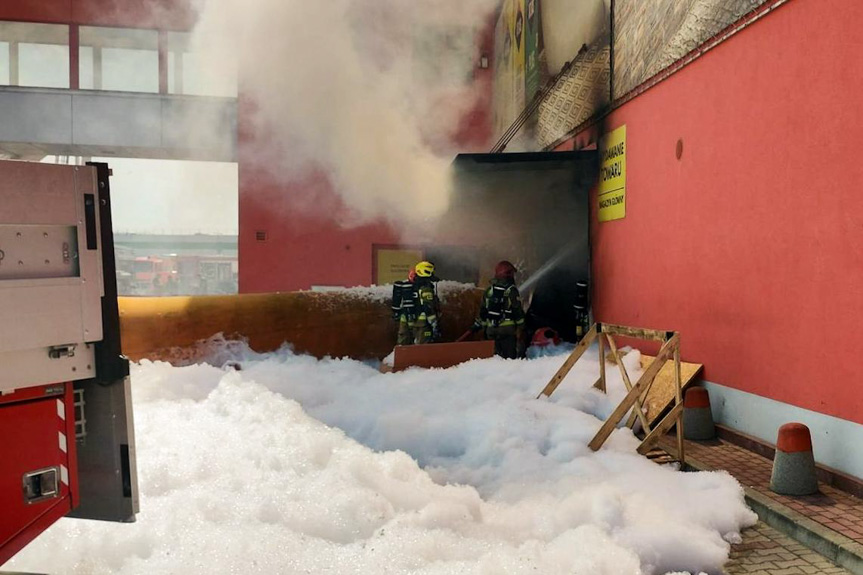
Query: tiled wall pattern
(582, 91)
(650, 35)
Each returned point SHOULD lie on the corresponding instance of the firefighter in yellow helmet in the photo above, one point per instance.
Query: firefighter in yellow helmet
(419, 323)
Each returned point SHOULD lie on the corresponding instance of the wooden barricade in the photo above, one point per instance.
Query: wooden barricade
(636, 393)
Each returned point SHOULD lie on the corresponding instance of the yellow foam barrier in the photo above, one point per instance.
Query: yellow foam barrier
(336, 324)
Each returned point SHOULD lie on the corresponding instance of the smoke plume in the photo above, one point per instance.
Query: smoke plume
(567, 25)
(367, 92)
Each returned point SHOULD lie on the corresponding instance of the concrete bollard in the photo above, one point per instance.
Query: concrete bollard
(794, 463)
(697, 417)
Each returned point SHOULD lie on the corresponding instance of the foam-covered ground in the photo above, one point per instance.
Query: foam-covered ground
(295, 465)
(384, 293)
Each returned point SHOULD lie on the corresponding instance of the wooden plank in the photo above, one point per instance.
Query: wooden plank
(646, 394)
(603, 386)
(650, 441)
(664, 459)
(656, 452)
(660, 456)
(630, 421)
(440, 354)
(661, 394)
(625, 376)
(570, 361)
(637, 332)
(679, 398)
(631, 397)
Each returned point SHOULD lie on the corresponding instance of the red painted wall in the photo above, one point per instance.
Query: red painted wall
(161, 14)
(304, 246)
(751, 244)
(307, 239)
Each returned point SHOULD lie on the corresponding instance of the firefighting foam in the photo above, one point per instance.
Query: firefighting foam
(343, 90)
(295, 465)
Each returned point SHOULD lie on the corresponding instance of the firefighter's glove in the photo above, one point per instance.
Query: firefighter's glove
(395, 316)
(475, 327)
(435, 331)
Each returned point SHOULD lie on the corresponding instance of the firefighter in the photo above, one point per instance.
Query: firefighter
(501, 316)
(403, 306)
(422, 321)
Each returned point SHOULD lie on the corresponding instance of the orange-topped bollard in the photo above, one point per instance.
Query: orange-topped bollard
(794, 462)
(697, 417)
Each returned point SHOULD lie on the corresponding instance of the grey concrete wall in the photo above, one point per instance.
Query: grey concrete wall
(836, 442)
(83, 123)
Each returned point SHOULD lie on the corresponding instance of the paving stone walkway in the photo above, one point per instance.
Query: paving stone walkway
(766, 551)
(830, 521)
(831, 507)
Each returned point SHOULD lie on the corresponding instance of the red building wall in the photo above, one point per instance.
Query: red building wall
(300, 247)
(161, 14)
(750, 244)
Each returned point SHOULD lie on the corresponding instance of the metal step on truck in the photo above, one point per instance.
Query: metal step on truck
(67, 444)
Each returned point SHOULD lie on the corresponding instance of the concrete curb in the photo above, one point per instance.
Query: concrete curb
(841, 550)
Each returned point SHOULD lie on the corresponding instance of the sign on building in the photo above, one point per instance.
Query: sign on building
(612, 175)
(517, 60)
(392, 264)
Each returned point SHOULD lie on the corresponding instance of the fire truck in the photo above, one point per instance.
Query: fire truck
(67, 444)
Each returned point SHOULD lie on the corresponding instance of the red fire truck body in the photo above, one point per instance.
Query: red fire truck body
(39, 482)
(66, 434)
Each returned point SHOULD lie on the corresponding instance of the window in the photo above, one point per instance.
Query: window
(34, 55)
(194, 71)
(4, 63)
(119, 59)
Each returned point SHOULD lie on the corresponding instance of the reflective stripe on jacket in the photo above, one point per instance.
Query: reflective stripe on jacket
(402, 295)
(501, 305)
(426, 302)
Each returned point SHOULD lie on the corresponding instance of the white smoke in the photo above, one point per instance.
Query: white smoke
(567, 25)
(367, 92)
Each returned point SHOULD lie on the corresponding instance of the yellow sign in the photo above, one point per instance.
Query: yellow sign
(394, 264)
(612, 175)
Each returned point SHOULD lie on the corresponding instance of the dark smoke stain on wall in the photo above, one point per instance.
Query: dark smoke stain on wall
(581, 93)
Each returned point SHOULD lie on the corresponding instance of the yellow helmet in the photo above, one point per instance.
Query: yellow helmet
(424, 269)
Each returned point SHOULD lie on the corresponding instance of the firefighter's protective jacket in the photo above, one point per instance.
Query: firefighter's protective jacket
(426, 302)
(501, 306)
(403, 297)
